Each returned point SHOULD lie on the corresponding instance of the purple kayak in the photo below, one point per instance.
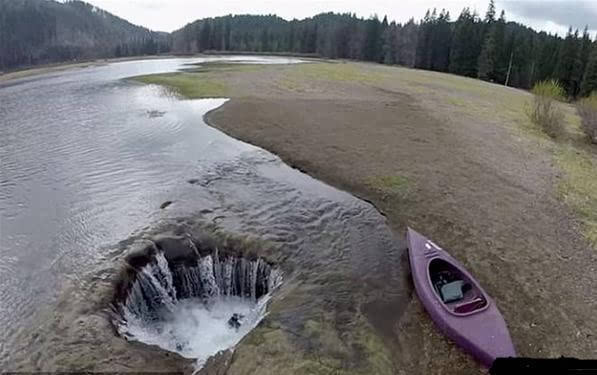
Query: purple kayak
(456, 302)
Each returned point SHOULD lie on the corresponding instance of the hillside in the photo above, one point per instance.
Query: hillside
(45, 31)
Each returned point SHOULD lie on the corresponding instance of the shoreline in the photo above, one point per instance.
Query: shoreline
(63, 66)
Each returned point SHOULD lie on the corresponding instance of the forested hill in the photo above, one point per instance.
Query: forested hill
(45, 31)
(486, 48)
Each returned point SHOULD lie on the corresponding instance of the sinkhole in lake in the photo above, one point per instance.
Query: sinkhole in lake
(191, 300)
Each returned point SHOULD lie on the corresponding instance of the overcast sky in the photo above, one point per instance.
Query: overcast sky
(168, 15)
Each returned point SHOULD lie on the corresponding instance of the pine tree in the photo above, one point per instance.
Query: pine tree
(372, 47)
(490, 15)
(441, 40)
(502, 57)
(390, 44)
(407, 44)
(569, 64)
(204, 36)
(381, 39)
(487, 59)
(423, 54)
(466, 44)
(589, 82)
(585, 49)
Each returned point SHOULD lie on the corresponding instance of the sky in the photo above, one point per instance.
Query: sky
(168, 15)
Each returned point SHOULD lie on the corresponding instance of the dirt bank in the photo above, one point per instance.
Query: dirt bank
(457, 160)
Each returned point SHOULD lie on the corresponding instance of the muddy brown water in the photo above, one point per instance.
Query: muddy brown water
(89, 161)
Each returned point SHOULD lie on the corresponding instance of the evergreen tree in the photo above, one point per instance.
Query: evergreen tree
(589, 82)
(204, 36)
(488, 56)
(372, 46)
(390, 44)
(487, 59)
(441, 39)
(407, 44)
(425, 34)
(585, 49)
(490, 15)
(569, 65)
(381, 55)
(501, 56)
(466, 45)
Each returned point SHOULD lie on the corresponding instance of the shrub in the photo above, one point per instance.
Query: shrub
(587, 109)
(544, 109)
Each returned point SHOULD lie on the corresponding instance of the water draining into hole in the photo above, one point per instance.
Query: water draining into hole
(196, 308)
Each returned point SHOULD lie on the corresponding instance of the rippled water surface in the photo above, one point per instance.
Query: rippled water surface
(87, 159)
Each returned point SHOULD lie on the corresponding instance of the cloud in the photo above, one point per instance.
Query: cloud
(564, 13)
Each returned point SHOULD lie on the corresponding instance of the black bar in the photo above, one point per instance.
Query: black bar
(532, 366)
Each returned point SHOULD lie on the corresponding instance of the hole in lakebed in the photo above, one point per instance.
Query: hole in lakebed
(195, 303)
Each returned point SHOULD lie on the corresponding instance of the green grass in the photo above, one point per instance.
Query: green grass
(188, 85)
(389, 185)
(219, 66)
(579, 186)
(338, 72)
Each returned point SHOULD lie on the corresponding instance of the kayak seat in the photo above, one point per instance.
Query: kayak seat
(453, 291)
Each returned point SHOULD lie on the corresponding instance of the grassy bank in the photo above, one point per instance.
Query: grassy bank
(204, 80)
(188, 85)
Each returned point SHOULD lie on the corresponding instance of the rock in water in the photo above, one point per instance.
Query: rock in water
(235, 321)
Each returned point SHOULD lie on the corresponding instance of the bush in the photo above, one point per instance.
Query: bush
(587, 109)
(544, 110)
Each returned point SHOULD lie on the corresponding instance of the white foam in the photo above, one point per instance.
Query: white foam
(196, 330)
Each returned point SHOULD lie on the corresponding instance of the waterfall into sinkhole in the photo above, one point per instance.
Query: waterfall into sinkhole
(196, 307)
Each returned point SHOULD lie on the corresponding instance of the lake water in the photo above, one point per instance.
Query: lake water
(88, 158)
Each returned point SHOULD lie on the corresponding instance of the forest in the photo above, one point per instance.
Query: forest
(489, 48)
(36, 32)
(486, 47)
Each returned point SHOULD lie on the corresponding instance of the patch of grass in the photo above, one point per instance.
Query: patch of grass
(389, 185)
(335, 72)
(434, 80)
(579, 187)
(219, 66)
(458, 102)
(587, 109)
(291, 84)
(378, 356)
(188, 85)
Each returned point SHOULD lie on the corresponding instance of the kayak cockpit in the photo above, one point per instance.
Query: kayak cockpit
(457, 293)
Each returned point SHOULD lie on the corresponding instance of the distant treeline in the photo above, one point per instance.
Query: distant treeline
(488, 48)
(45, 31)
